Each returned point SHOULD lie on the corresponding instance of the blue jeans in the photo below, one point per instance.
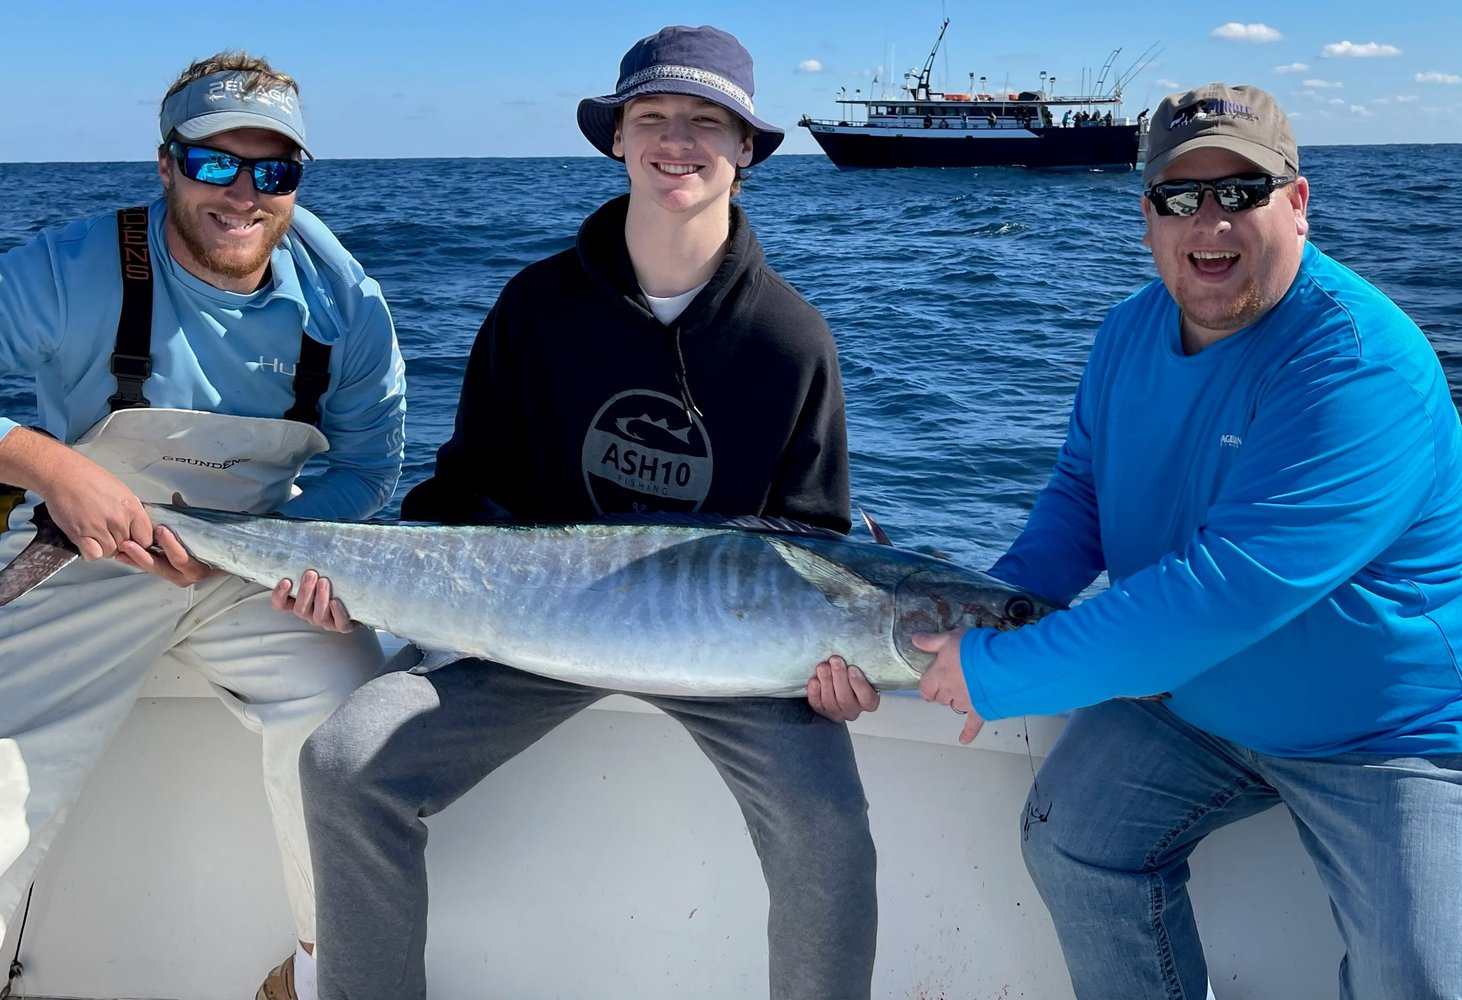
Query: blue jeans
(405, 746)
(1130, 790)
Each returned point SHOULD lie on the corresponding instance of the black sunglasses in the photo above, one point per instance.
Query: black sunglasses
(214, 166)
(1233, 194)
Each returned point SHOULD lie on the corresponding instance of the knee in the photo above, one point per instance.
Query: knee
(343, 748)
(330, 757)
(841, 818)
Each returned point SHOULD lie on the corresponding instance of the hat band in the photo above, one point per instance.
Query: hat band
(690, 75)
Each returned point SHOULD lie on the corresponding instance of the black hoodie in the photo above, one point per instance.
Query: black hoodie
(578, 402)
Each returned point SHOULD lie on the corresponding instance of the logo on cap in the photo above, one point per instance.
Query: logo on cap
(233, 88)
(1207, 108)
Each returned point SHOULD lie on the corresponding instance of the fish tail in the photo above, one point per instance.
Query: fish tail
(46, 555)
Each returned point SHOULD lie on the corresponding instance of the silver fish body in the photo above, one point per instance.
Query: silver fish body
(654, 608)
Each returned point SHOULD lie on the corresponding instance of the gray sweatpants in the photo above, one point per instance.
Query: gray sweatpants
(405, 746)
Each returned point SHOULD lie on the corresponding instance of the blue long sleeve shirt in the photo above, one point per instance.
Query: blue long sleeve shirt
(214, 350)
(1280, 516)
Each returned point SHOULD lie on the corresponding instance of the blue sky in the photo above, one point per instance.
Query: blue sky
(433, 78)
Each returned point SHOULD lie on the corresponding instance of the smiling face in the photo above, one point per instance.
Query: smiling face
(681, 152)
(1226, 269)
(224, 235)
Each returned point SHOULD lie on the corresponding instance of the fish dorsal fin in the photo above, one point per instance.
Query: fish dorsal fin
(738, 522)
(874, 528)
(842, 587)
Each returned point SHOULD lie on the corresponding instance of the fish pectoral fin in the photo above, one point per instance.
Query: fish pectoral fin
(429, 659)
(842, 587)
(45, 556)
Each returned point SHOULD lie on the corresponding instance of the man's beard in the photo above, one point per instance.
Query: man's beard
(189, 228)
(1235, 314)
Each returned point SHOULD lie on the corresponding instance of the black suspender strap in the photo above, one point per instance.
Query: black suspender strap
(132, 359)
(311, 379)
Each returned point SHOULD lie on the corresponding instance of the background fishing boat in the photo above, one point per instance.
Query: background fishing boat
(922, 127)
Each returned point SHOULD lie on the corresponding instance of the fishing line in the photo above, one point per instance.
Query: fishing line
(16, 968)
(1032, 811)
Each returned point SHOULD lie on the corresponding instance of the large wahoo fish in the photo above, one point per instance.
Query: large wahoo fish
(664, 608)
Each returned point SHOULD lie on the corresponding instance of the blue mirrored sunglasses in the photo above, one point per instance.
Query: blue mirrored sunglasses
(1233, 194)
(214, 166)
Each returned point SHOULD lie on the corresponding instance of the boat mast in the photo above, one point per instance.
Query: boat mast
(921, 85)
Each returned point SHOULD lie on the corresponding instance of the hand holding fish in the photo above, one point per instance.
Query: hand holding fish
(89, 504)
(944, 681)
(839, 691)
(176, 565)
(313, 602)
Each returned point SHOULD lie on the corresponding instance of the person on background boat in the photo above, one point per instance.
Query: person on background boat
(205, 345)
(614, 377)
(1264, 457)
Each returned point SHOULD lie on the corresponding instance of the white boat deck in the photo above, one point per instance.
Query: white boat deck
(609, 862)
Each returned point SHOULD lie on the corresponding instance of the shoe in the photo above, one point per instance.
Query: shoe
(279, 984)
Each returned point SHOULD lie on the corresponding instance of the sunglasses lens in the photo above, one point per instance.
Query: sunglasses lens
(1235, 194)
(1176, 199)
(209, 166)
(277, 176)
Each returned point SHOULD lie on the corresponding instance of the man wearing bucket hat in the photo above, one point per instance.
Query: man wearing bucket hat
(660, 366)
(205, 345)
(1265, 458)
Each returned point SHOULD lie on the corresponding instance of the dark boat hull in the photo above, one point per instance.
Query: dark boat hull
(1112, 147)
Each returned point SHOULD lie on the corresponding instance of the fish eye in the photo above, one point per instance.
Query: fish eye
(1020, 608)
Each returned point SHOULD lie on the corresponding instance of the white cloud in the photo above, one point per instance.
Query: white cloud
(1437, 78)
(1323, 84)
(1236, 32)
(1293, 68)
(1356, 109)
(1406, 98)
(1336, 100)
(1169, 84)
(809, 66)
(1337, 49)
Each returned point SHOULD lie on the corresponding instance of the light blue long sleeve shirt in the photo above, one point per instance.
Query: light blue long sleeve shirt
(214, 350)
(1280, 516)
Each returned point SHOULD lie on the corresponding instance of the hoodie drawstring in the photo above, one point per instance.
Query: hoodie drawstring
(686, 399)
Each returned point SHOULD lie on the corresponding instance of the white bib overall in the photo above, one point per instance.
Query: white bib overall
(75, 651)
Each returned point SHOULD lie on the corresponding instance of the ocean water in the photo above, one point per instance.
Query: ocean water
(963, 301)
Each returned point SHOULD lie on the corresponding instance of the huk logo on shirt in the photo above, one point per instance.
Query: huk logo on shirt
(643, 452)
(276, 366)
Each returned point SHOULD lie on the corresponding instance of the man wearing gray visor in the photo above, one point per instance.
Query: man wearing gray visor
(205, 345)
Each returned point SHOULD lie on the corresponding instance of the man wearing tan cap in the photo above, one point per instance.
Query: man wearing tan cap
(1264, 457)
(207, 344)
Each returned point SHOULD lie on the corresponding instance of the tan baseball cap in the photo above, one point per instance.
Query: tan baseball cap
(1244, 120)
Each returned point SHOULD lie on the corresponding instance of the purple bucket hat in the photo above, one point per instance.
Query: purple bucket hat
(701, 62)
